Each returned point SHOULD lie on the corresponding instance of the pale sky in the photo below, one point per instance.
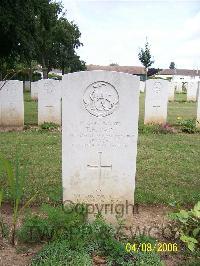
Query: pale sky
(114, 31)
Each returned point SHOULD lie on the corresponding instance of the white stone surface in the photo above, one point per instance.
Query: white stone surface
(49, 101)
(142, 86)
(11, 104)
(192, 91)
(99, 136)
(198, 106)
(34, 90)
(172, 86)
(27, 85)
(156, 100)
(179, 87)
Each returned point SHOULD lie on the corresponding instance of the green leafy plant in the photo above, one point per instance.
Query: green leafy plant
(15, 180)
(188, 125)
(49, 126)
(3, 226)
(188, 223)
(34, 229)
(51, 223)
(59, 253)
(167, 129)
(148, 129)
(93, 240)
(54, 76)
(156, 129)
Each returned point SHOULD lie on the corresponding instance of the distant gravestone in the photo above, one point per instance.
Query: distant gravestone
(34, 90)
(171, 91)
(27, 86)
(185, 86)
(156, 100)
(198, 106)
(192, 91)
(142, 86)
(11, 104)
(49, 101)
(179, 87)
(99, 136)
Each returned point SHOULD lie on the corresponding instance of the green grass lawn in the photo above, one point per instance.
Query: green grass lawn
(179, 108)
(30, 110)
(168, 165)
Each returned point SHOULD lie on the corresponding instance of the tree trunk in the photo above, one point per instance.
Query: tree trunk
(44, 69)
(45, 73)
(145, 78)
(23, 85)
(30, 75)
(30, 72)
(63, 71)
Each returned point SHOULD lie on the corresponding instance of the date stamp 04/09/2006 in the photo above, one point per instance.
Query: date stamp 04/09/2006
(151, 247)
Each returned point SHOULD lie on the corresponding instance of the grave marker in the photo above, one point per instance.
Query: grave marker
(142, 86)
(11, 104)
(34, 90)
(179, 87)
(192, 91)
(99, 136)
(49, 101)
(156, 100)
(171, 91)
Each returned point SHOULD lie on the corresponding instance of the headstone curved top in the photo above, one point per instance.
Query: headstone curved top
(11, 104)
(99, 136)
(192, 91)
(49, 101)
(156, 100)
(171, 91)
(34, 90)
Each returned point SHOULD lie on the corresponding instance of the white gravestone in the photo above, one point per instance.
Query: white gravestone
(11, 104)
(34, 90)
(156, 100)
(179, 87)
(99, 136)
(142, 86)
(192, 91)
(49, 101)
(171, 91)
(198, 106)
(27, 86)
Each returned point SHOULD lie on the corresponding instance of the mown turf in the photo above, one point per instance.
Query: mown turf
(179, 108)
(168, 168)
(168, 165)
(30, 110)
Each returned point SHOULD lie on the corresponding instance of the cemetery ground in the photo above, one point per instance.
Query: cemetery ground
(168, 168)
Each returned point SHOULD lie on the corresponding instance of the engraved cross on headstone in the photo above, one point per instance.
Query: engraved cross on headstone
(99, 167)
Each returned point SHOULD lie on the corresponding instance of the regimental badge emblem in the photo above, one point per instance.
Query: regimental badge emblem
(101, 99)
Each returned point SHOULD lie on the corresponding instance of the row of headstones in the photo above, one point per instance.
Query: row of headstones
(49, 95)
(190, 87)
(157, 95)
(100, 111)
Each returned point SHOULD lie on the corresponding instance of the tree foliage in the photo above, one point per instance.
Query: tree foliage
(153, 71)
(145, 56)
(172, 65)
(38, 30)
